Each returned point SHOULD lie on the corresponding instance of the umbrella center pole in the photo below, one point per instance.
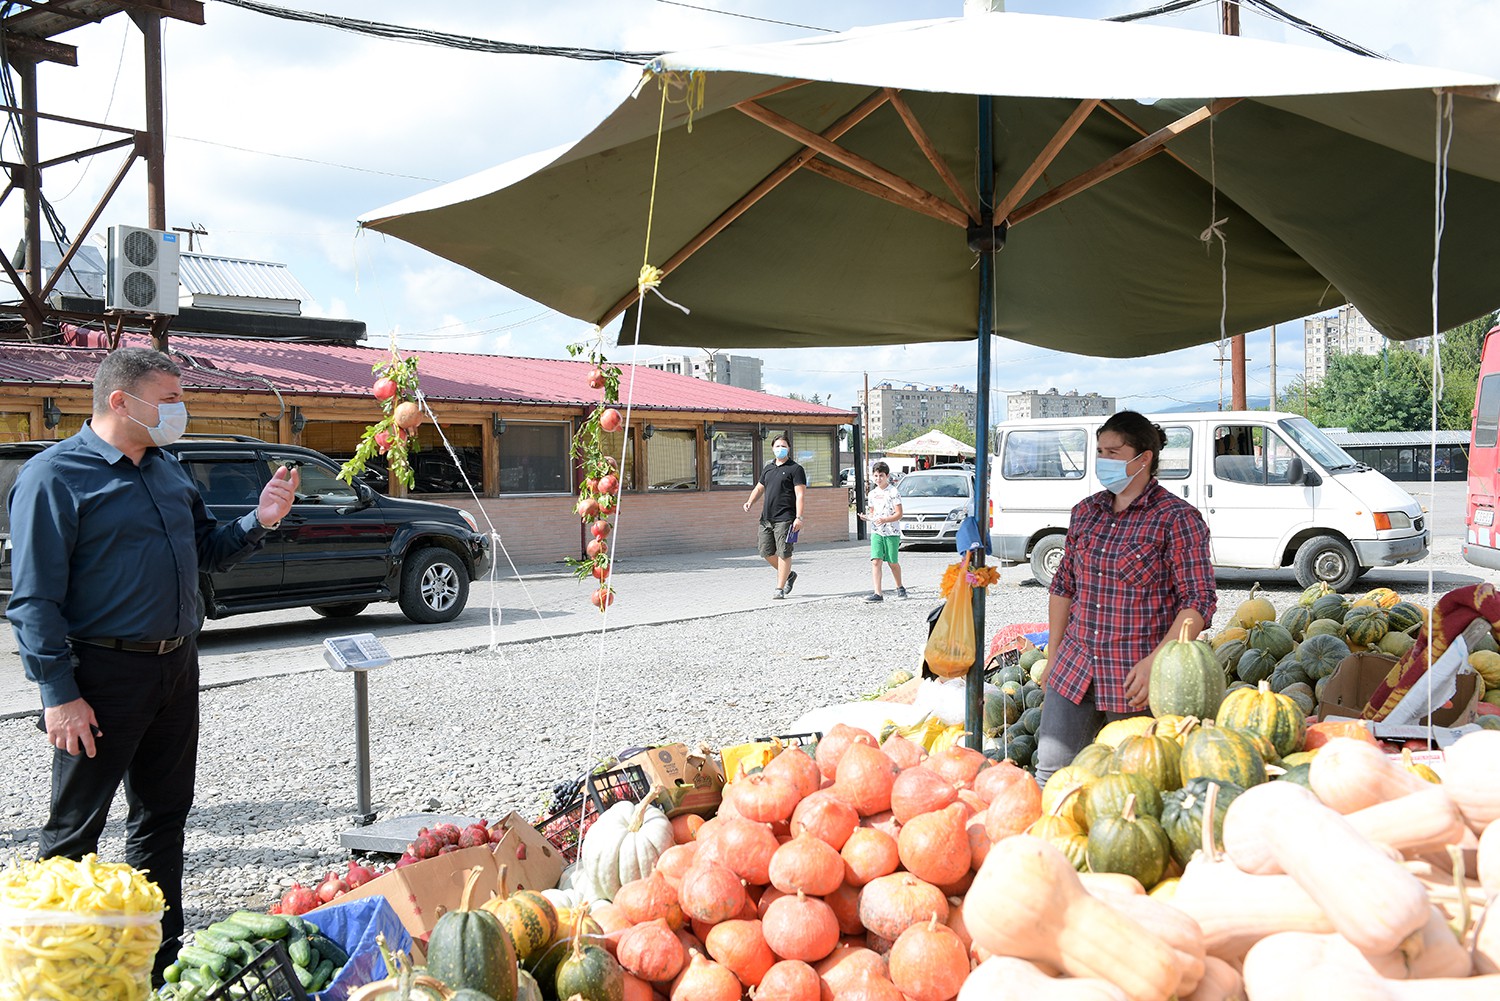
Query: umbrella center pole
(985, 239)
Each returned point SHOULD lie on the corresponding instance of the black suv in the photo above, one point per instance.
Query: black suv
(339, 549)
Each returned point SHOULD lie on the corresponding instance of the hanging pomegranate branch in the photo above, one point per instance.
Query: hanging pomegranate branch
(395, 435)
(599, 492)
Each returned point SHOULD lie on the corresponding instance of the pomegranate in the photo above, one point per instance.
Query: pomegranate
(384, 389)
(497, 835)
(298, 900)
(332, 887)
(448, 849)
(602, 599)
(591, 486)
(600, 571)
(609, 461)
(600, 529)
(406, 859)
(587, 508)
(595, 547)
(383, 441)
(596, 379)
(609, 483)
(359, 875)
(424, 846)
(607, 504)
(407, 415)
(446, 834)
(610, 420)
(474, 835)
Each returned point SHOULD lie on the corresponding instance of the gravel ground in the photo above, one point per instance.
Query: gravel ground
(482, 734)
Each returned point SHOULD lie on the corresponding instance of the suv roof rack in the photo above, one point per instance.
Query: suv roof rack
(206, 436)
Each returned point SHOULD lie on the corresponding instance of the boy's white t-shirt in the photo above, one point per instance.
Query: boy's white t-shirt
(883, 504)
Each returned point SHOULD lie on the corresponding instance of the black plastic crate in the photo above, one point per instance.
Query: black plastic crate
(625, 784)
(270, 977)
(807, 741)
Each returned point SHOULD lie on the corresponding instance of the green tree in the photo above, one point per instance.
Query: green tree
(1300, 398)
(954, 426)
(1460, 352)
(1390, 391)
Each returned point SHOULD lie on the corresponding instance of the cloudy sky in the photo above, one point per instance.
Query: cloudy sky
(280, 134)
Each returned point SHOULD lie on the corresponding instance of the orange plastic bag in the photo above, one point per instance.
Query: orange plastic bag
(950, 647)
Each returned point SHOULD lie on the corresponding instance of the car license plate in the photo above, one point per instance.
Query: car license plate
(1484, 516)
(911, 526)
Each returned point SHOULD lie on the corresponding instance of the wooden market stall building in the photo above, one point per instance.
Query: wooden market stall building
(693, 449)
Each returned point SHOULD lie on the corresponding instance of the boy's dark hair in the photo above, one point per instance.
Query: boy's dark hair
(783, 439)
(1139, 433)
(881, 467)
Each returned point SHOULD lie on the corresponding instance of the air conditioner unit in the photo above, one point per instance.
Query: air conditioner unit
(142, 271)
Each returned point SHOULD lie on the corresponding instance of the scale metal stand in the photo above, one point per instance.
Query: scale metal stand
(358, 655)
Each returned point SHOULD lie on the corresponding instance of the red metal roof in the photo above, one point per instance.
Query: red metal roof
(227, 364)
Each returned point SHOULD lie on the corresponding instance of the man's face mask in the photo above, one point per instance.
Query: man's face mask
(171, 421)
(782, 451)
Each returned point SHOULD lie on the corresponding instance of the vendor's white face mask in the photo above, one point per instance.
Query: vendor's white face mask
(171, 421)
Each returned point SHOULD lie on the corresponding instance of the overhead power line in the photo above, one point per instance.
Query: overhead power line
(423, 36)
(747, 17)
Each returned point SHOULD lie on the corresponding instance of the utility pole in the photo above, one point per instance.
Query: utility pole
(866, 422)
(1273, 366)
(1229, 24)
(192, 230)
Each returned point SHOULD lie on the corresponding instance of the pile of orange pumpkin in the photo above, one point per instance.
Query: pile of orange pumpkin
(878, 872)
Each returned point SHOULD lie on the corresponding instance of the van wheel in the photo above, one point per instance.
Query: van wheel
(1046, 557)
(342, 610)
(434, 586)
(1327, 559)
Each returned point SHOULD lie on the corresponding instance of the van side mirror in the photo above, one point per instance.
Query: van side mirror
(1294, 470)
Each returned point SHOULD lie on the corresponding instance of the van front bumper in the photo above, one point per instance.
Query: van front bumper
(1389, 552)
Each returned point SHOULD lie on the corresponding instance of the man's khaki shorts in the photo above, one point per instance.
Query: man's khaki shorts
(773, 539)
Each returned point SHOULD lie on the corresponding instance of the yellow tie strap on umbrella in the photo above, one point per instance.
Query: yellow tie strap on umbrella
(650, 281)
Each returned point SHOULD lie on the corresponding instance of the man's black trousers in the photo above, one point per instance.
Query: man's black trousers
(147, 708)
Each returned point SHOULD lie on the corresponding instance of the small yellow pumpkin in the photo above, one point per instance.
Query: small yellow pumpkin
(1226, 634)
(1113, 733)
(1253, 609)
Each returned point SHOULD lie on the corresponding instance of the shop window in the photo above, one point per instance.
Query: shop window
(534, 459)
(434, 468)
(70, 425)
(732, 458)
(610, 444)
(254, 427)
(817, 452)
(15, 427)
(672, 460)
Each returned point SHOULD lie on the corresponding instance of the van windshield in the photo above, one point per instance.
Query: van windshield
(1318, 445)
(934, 486)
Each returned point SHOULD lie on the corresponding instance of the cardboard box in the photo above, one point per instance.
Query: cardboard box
(690, 781)
(1357, 677)
(424, 892)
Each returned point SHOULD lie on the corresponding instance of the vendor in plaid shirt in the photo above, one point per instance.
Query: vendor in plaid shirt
(1135, 572)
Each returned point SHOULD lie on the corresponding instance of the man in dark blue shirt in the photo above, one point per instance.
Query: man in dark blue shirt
(110, 535)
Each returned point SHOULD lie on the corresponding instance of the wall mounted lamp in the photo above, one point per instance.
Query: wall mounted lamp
(51, 415)
(298, 421)
(648, 431)
(497, 425)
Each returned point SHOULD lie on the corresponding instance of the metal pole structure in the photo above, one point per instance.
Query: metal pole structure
(860, 458)
(986, 247)
(156, 149)
(1229, 24)
(364, 811)
(31, 154)
(1273, 366)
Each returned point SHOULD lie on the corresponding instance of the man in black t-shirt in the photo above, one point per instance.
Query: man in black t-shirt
(784, 483)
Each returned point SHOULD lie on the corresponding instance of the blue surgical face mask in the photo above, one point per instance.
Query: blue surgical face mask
(782, 451)
(1115, 474)
(171, 421)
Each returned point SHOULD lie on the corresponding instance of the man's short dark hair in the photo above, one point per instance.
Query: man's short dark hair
(125, 369)
(781, 437)
(881, 467)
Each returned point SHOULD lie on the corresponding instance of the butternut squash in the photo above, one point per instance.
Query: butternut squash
(1470, 765)
(1236, 909)
(1244, 825)
(1171, 925)
(1370, 898)
(1027, 902)
(1300, 973)
(1488, 865)
(1221, 982)
(1349, 775)
(1116, 882)
(1423, 821)
(1005, 978)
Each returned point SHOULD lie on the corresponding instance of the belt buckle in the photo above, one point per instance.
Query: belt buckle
(164, 647)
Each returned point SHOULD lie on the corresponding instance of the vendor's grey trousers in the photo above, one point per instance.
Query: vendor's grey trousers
(1067, 728)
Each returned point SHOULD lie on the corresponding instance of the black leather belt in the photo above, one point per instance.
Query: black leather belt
(134, 646)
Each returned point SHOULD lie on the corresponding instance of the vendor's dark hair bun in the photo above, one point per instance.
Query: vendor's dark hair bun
(1139, 433)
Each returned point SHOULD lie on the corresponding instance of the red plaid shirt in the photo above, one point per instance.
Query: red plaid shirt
(1128, 575)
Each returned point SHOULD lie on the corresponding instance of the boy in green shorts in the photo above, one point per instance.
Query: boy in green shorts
(884, 518)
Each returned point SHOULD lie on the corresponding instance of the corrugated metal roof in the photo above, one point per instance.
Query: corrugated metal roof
(206, 274)
(227, 364)
(1372, 438)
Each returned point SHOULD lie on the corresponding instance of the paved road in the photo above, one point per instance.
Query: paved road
(538, 602)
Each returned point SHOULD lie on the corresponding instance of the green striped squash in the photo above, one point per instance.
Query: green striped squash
(1302, 694)
(1403, 617)
(1213, 752)
(1329, 606)
(1129, 843)
(1271, 637)
(1270, 714)
(1182, 816)
(1186, 679)
(1366, 625)
(1094, 758)
(1228, 654)
(1315, 592)
(1255, 666)
(1295, 620)
(1158, 759)
(1106, 796)
(591, 973)
(1320, 656)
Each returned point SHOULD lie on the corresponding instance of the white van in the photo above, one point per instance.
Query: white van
(1275, 491)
